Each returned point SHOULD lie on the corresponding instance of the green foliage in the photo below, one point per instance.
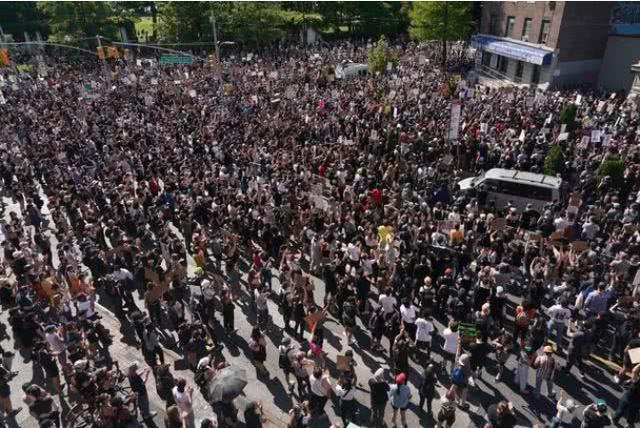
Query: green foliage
(365, 19)
(440, 20)
(554, 162)
(612, 166)
(18, 17)
(380, 55)
(77, 19)
(435, 20)
(568, 116)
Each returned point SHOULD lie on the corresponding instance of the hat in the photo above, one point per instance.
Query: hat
(401, 378)
(600, 402)
(499, 291)
(81, 364)
(548, 349)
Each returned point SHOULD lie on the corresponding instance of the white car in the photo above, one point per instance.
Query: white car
(520, 188)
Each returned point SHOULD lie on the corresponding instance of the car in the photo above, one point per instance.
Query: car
(520, 189)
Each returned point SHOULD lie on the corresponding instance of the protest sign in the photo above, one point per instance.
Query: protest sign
(563, 136)
(454, 123)
(343, 362)
(595, 136)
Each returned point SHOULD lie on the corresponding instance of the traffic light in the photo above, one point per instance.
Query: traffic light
(4, 56)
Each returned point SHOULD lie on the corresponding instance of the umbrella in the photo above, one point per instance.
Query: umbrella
(227, 384)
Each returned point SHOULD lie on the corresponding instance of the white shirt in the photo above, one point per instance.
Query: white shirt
(54, 341)
(347, 395)
(423, 330)
(317, 386)
(182, 399)
(354, 252)
(450, 341)
(408, 314)
(564, 414)
(87, 308)
(387, 302)
(559, 314)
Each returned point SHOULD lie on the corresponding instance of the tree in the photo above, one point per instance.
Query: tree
(612, 166)
(380, 55)
(17, 18)
(554, 162)
(568, 116)
(444, 21)
(82, 19)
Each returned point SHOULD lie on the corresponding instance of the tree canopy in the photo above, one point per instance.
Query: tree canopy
(444, 21)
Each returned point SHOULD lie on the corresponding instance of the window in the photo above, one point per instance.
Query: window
(493, 24)
(544, 31)
(519, 69)
(535, 77)
(511, 22)
(503, 64)
(486, 58)
(526, 29)
(525, 190)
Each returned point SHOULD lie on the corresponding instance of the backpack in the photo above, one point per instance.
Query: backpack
(457, 376)
(283, 360)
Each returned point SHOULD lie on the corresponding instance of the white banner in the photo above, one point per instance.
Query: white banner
(454, 125)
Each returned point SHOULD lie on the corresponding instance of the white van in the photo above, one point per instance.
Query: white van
(519, 188)
(351, 69)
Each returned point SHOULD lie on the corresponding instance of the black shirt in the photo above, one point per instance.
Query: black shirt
(379, 391)
(137, 384)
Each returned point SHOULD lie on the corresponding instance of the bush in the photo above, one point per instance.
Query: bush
(554, 162)
(612, 166)
(568, 116)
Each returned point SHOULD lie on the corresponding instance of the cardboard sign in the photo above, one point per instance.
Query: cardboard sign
(313, 318)
(343, 362)
(579, 246)
(557, 235)
(634, 355)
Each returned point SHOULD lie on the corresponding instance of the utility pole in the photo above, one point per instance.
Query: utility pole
(107, 74)
(215, 34)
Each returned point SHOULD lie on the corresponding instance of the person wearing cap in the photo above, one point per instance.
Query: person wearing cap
(545, 366)
(379, 397)
(565, 412)
(400, 396)
(596, 415)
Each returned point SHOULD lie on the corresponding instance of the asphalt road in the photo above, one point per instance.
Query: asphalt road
(272, 391)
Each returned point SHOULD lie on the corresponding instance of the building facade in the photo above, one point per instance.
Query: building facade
(622, 54)
(543, 42)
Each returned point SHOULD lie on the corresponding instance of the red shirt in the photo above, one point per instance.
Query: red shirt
(376, 195)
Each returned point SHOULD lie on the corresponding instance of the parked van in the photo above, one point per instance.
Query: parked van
(520, 188)
(351, 69)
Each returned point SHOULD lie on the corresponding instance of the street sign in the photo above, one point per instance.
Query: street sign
(175, 59)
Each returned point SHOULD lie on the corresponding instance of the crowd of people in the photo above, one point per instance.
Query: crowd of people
(268, 175)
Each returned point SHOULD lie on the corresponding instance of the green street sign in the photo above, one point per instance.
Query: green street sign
(175, 59)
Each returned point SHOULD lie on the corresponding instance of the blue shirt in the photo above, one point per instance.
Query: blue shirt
(597, 301)
(399, 396)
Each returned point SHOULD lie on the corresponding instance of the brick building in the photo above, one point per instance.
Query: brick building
(559, 43)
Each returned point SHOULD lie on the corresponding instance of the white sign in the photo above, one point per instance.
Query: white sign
(374, 135)
(522, 136)
(484, 127)
(601, 105)
(595, 135)
(454, 124)
(579, 99)
(563, 137)
(563, 128)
